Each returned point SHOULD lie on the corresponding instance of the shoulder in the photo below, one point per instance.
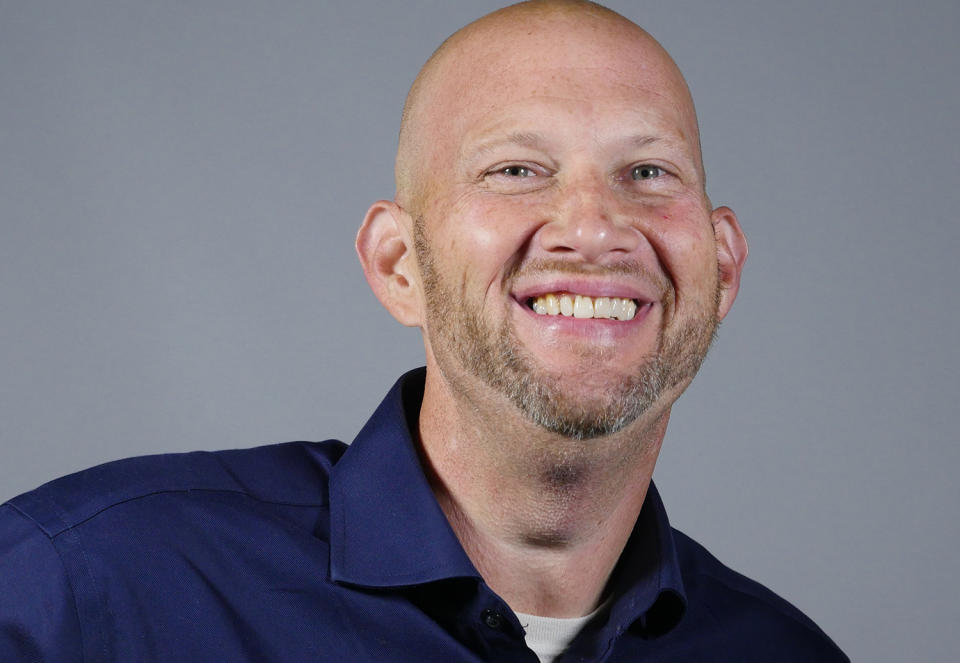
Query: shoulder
(745, 614)
(289, 473)
(83, 554)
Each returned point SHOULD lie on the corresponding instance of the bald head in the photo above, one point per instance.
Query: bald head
(552, 148)
(528, 46)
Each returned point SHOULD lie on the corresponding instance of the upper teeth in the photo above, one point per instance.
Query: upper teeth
(582, 306)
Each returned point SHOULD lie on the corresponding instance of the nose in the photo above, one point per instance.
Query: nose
(589, 222)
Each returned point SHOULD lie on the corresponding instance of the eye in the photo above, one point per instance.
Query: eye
(516, 171)
(515, 177)
(647, 172)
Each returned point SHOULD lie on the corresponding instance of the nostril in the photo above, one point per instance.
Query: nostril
(589, 235)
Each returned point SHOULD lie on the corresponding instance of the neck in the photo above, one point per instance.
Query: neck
(543, 518)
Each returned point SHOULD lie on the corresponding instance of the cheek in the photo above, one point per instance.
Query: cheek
(682, 236)
(476, 241)
(499, 224)
(488, 231)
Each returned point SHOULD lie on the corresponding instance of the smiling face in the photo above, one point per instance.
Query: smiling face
(569, 257)
(579, 386)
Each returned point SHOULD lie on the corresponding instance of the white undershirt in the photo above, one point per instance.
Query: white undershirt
(548, 637)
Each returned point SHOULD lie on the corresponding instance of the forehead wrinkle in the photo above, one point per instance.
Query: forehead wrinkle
(500, 132)
(667, 115)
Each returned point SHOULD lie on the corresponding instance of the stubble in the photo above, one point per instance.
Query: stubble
(495, 356)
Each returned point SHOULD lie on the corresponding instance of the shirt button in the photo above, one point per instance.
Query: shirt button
(492, 619)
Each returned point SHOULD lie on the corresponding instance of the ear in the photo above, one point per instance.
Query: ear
(386, 252)
(731, 255)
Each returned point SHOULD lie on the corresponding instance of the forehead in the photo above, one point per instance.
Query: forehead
(581, 110)
(520, 78)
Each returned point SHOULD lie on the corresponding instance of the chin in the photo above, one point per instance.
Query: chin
(584, 404)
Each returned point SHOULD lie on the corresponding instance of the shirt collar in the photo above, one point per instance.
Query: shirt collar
(652, 599)
(387, 529)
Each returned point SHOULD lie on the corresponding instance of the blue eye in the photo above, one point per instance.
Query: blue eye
(646, 172)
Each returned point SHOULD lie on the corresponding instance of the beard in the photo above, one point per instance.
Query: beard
(495, 356)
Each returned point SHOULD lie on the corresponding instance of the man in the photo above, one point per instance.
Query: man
(552, 238)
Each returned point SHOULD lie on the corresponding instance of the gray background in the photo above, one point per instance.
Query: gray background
(180, 184)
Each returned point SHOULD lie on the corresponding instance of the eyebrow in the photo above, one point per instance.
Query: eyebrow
(533, 139)
(522, 138)
(641, 140)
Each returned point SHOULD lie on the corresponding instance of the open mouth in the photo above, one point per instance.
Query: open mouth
(583, 306)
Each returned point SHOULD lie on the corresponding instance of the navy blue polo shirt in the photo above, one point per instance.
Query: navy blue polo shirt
(321, 552)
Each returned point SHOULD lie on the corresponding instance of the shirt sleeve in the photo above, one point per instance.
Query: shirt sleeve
(38, 614)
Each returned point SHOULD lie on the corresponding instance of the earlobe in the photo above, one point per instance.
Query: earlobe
(385, 248)
(731, 255)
